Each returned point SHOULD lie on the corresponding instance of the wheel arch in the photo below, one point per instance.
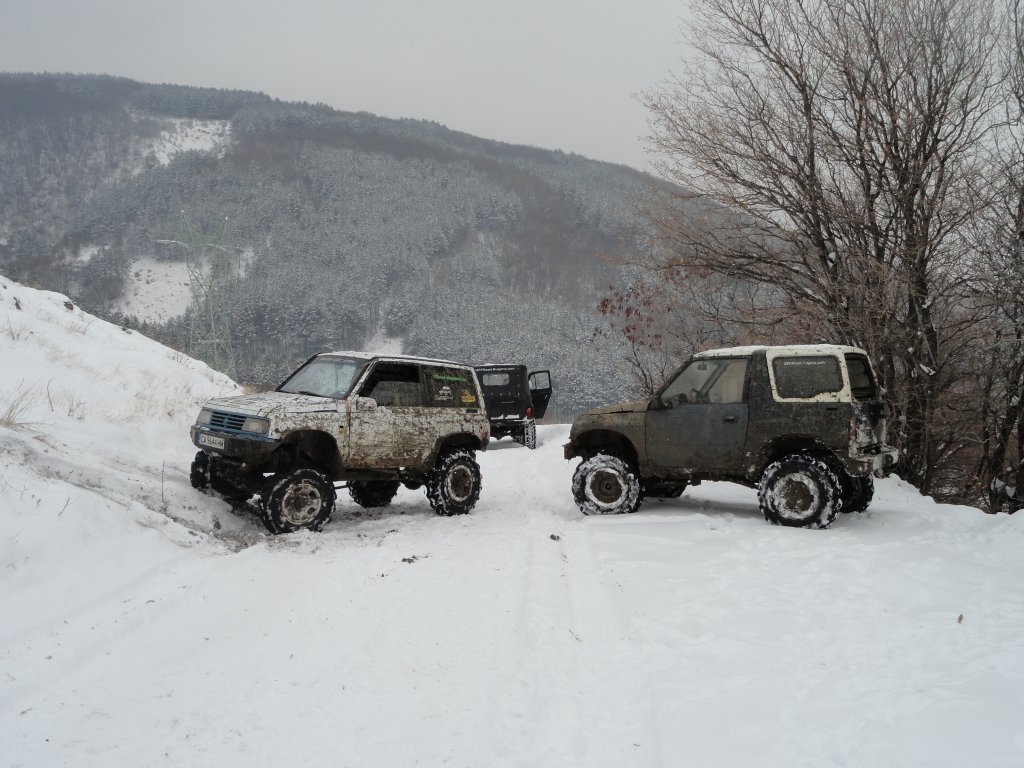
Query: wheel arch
(463, 440)
(590, 443)
(309, 446)
(785, 445)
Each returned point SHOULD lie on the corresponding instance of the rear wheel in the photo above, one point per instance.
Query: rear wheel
(301, 498)
(857, 493)
(800, 491)
(530, 435)
(605, 485)
(373, 493)
(453, 485)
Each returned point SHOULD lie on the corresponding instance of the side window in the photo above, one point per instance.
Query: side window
(862, 383)
(540, 380)
(394, 384)
(728, 387)
(449, 387)
(801, 378)
(711, 380)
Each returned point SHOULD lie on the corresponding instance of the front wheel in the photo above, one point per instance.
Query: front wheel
(206, 472)
(800, 491)
(453, 486)
(301, 498)
(605, 485)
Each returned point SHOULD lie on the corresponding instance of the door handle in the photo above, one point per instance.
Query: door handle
(731, 419)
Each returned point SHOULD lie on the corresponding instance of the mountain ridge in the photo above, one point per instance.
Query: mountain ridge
(353, 225)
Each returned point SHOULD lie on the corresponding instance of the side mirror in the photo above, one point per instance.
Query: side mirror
(364, 404)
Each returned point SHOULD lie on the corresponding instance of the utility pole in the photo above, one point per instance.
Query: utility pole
(210, 261)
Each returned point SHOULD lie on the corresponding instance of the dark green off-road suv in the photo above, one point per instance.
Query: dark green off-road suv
(803, 424)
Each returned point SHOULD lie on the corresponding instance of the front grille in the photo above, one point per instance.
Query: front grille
(229, 422)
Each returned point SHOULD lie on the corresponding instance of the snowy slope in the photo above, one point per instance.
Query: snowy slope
(144, 623)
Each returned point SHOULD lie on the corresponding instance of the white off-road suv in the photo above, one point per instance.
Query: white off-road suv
(371, 422)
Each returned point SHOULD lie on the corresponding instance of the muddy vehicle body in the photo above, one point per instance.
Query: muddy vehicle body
(371, 422)
(805, 425)
(515, 399)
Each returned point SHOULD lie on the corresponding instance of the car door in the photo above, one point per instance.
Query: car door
(698, 422)
(451, 403)
(540, 392)
(387, 433)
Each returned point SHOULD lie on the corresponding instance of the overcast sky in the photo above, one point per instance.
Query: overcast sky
(558, 74)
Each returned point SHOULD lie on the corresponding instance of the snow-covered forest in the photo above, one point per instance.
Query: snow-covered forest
(348, 228)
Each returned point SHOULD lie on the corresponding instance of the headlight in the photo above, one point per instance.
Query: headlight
(256, 425)
(204, 417)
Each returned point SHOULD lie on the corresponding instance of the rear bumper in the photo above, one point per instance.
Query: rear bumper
(879, 464)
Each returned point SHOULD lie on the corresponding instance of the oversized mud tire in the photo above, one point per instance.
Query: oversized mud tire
(373, 493)
(857, 493)
(199, 472)
(203, 474)
(800, 491)
(527, 434)
(301, 498)
(530, 435)
(453, 485)
(606, 485)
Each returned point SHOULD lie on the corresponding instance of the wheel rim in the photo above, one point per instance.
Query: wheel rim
(796, 496)
(458, 484)
(605, 488)
(301, 503)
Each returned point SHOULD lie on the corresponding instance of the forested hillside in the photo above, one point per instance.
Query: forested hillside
(349, 229)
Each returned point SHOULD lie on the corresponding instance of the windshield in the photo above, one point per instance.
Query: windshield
(324, 376)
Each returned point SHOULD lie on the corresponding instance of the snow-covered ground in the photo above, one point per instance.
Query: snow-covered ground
(158, 290)
(155, 290)
(188, 135)
(144, 623)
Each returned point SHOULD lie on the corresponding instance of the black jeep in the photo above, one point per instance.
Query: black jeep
(514, 400)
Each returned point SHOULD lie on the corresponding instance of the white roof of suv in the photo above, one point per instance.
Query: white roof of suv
(397, 358)
(788, 349)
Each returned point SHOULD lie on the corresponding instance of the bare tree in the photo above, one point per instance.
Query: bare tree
(845, 140)
(998, 293)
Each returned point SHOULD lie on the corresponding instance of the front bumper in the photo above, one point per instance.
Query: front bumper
(246, 447)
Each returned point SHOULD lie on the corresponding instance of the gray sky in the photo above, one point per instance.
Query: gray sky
(558, 74)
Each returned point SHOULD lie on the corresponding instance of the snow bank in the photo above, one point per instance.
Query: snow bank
(93, 459)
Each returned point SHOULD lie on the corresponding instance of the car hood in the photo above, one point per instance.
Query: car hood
(267, 403)
(637, 406)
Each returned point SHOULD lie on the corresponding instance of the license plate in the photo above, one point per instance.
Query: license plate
(211, 441)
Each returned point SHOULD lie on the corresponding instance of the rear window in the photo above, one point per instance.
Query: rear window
(494, 380)
(801, 378)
